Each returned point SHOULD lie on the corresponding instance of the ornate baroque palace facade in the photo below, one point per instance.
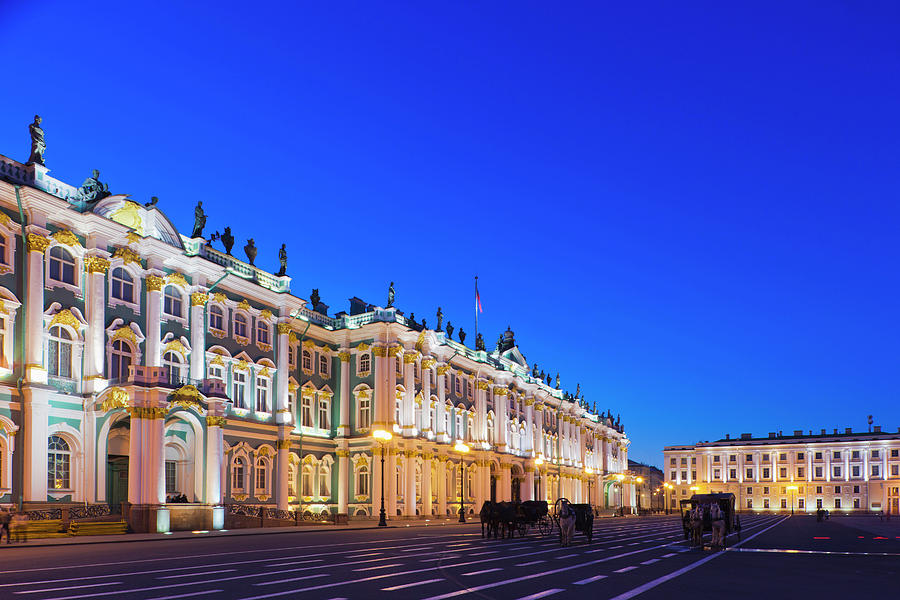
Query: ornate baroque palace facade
(138, 364)
(840, 471)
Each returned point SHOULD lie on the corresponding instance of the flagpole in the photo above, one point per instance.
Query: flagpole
(476, 307)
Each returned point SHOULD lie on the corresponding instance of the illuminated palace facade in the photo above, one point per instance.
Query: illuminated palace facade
(138, 364)
(840, 472)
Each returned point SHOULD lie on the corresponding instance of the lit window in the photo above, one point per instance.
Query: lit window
(170, 477)
(362, 481)
(62, 265)
(59, 352)
(306, 413)
(58, 463)
(324, 406)
(240, 325)
(240, 389)
(365, 361)
(122, 285)
(306, 481)
(307, 361)
(172, 362)
(172, 304)
(3, 250)
(262, 332)
(262, 394)
(237, 475)
(323, 365)
(365, 414)
(324, 482)
(262, 473)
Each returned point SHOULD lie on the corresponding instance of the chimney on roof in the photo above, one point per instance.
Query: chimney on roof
(746, 436)
(772, 435)
(728, 435)
(779, 433)
(799, 432)
(877, 428)
(848, 430)
(835, 431)
(823, 431)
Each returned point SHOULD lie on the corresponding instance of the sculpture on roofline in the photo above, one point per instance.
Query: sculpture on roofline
(92, 190)
(462, 336)
(314, 298)
(250, 250)
(38, 146)
(227, 240)
(440, 319)
(424, 325)
(449, 330)
(411, 320)
(479, 342)
(390, 295)
(282, 258)
(534, 370)
(557, 381)
(199, 220)
(578, 390)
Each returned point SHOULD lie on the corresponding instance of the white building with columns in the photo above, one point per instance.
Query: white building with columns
(139, 366)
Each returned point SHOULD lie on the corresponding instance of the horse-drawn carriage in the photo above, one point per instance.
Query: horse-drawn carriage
(583, 514)
(703, 502)
(504, 519)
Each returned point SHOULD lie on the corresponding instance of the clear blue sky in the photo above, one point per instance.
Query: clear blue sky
(690, 208)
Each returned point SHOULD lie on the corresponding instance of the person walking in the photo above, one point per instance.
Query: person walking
(20, 526)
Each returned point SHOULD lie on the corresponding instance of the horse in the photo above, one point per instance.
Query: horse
(566, 524)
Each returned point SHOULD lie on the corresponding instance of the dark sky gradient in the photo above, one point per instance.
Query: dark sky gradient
(690, 209)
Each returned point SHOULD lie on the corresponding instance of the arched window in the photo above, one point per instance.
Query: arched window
(120, 360)
(324, 482)
(58, 463)
(59, 352)
(172, 361)
(3, 247)
(172, 304)
(470, 429)
(262, 476)
(262, 394)
(292, 481)
(237, 475)
(323, 365)
(240, 325)
(306, 481)
(307, 361)
(262, 332)
(216, 318)
(362, 481)
(122, 285)
(62, 265)
(324, 412)
(365, 362)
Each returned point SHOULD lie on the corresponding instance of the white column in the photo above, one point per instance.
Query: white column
(409, 480)
(154, 313)
(528, 492)
(502, 420)
(377, 477)
(391, 483)
(198, 344)
(407, 407)
(384, 394)
(442, 486)
(282, 374)
(440, 429)
(344, 475)
(35, 370)
(343, 429)
(35, 408)
(282, 465)
(96, 267)
(215, 459)
(481, 411)
(529, 441)
(426, 485)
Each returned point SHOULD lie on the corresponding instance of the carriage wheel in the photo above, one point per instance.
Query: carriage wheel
(558, 504)
(522, 526)
(545, 525)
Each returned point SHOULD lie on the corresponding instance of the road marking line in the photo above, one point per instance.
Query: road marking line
(528, 564)
(68, 587)
(566, 556)
(614, 547)
(590, 579)
(543, 594)
(670, 555)
(440, 558)
(660, 580)
(839, 553)
(624, 569)
(481, 553)
(378, 567)
(103, 576)
(287, 564)
(597, 550)
(470, 574)
(650, 562)
(362, 555)
(203, 593)
(291, 579)
(409, 585)
(197, 574)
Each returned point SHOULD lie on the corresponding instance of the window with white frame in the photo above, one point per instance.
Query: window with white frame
(307, 361)
(306, 481)
(364, 414)
(470, 429)
(458, 432)
(174, 365)
(240, 325)
(237, 475)
(122, 285)
(172, 302)
(323, 365)
(306, 412)
(171, 485)
(239, 389)
(362, 480)
(62, 266)
(216, 372)
(120, 359)
(292, 406)
(364, 362)
(217, 319)
(4, 250)
(262, 476)
(324, 481)
(292, 481)
(4, 360)
(262, 394)
(324, 411)
(262, 332)
(59, 462)
(458, 381)
(292, 356)
(59, 352)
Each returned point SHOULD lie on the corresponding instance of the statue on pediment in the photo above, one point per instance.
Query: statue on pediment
(450, 329)
(282, 258)
(92, 189)
(199, 220)
(38, 146)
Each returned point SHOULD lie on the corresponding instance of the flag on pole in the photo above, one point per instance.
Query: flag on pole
(477, 298)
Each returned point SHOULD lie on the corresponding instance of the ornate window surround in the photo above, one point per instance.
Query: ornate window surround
(10, 238)
(9, 305)
(137, 275)
(77, 254)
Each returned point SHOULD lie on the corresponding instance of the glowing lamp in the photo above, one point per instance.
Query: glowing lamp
(382, 435)
(461, 447)
(539, 461)
(588, 470)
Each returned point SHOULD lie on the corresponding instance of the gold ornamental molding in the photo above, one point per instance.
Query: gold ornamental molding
(283, 328)
(283, 444)
(263, 451)
(176, 278)
(65, 317)
(124, 333)
(67, 238)
(501, 391)
(37, 243)
(132, 237)
(481, 384)
(96, 264)
(173, 346)
(116, 398)
(266, 314)
(363, 347)
(5, 220)
(342, 453)
(199, 299)
(147, 412)
(379, 351)
(155, 283)
(443, 369)
(243, 305)
(529, 401)
(410, 358)
(220, 297)
(394, 351)
(127, 255)
(427, 363)
(216, 421)
(344, 356)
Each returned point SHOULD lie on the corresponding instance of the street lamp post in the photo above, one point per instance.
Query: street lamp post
(620, 477)
(793, 489)
(640, 489)
(462, 449)
(668, 486)
(537, 463)
(589, 471)
(382, 436)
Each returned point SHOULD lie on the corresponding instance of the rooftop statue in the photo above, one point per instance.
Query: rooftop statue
(250, 250)
(462, 336)
(449, 330)
(37, 142)
(479, 342)
(390, 295)
(199, 220)
(548, 381)
(152, 203)
(534, 370)
(557, 381)
(577, 390)
(411, 320)
(92, 190)
(227, 240)
(424, 325)
(440, 319)
(314, 298)
(282, 258)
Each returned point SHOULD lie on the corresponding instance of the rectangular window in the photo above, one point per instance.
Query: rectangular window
(835, 471)
(170, 477)
(876, 454)
(855, 489)
(748, 458)
(800, 456)
(684, 462)
(818, 503)
(673, 462)
(693, 475)
(856, 503)
(716, 474)
(749, 491)
(855, 470)
(800, 472)
(306, 412)
(801, 503)
(855, 455)
(895, 453)
(732, 458)
(693, 461)
(716, 458)
(749, 473)
(262, 394)
(837, 489)
(782, 473)
(837, 502)
(836, 455)
(766, 490)
(895, 470)
(782, 456)
(324, 421)
(749, 502)
(732, 473)
(818, 489)
(818, 472)
(818, 456)
(765, 458)
(674, 475)
(240, 389)
(765, 503)
(876, 470)
(765, 473)
(365, 414)
(684, 475)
